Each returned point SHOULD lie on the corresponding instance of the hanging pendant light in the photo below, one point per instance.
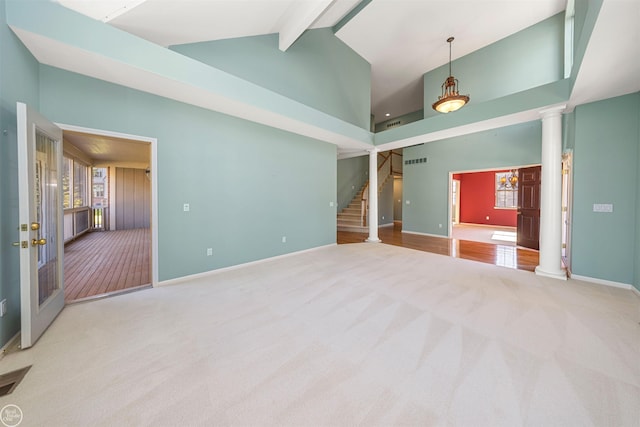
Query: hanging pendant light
(451, 100)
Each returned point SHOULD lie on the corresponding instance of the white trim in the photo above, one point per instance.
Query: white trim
(12, 341)
(635, 291)
(425, 234)
(560, 275)
(604, 282)
(111, 294)
(350, 154)
(488, 225)
(154, 183)
(390, 224)
(209, 273)
(493, 169)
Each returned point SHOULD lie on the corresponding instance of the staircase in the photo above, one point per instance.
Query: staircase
(353, 217)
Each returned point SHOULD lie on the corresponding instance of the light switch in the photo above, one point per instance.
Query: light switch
(408, 202)
(603, 207)
(185, 207)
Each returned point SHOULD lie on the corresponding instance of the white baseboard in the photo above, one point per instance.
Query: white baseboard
(486, 225)
(635, 291)
(425, 234)
(235, 267)
(603, 282)
(386, 225)
(9, 344)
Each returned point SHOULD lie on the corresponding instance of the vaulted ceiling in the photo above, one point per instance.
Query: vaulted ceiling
(401, 39)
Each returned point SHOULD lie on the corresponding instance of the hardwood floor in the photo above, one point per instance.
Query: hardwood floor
(500, 255)
(101, 263)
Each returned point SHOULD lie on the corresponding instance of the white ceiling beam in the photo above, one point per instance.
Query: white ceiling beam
(300, 16)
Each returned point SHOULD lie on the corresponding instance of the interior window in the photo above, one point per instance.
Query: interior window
(507, 190)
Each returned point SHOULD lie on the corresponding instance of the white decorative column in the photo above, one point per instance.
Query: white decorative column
(373, 196)
(551, 195)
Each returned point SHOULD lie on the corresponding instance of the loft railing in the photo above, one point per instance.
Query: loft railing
(100, 219)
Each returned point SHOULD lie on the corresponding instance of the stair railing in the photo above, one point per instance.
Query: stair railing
(364, 205)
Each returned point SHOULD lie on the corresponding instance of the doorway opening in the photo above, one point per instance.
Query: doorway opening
(484, 206)
(110, 226)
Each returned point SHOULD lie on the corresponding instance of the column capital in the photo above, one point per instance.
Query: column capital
(552, 111)
(373, 150)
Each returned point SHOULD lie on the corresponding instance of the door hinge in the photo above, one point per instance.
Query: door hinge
(564, 246)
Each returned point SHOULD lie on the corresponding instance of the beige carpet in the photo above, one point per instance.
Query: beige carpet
(360, 334)
(505, 236)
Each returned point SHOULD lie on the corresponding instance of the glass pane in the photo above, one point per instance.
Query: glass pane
(100, 196)
(46, 181)
(79, 185)
(66, 182)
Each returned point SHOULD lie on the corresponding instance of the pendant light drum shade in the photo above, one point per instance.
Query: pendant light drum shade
(450, 100)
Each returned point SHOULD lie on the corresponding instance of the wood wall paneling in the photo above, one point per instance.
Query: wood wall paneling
(133, 199)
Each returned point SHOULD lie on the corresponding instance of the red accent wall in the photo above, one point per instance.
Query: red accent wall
(477, 200)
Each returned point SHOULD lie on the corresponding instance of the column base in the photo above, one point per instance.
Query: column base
(376, 240)
(560, 275)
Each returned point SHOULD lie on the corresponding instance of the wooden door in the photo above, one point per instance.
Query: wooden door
(529, 207)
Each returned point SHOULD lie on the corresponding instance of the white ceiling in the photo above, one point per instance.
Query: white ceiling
(109, 150)
(402, 39)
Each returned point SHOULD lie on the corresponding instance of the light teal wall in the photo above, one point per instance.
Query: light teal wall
(568, 131)
(133, 54)
(248, 185)
(527, 100)
(318, 70)
(529, 58)
(351, 175)
(637, 262)
(385, 203)
(606, 171)
(18, 82)
(586, 15)
(426, 185)
(399, 121)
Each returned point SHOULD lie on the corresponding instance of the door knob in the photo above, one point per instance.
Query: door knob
(35, 226)
(36, 242)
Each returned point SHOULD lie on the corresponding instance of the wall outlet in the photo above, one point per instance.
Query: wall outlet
(209, 251)
(382, 216)
(487, 218)
(408, 202)
(186, 207)
(331, 204)
(439, 225)
(3, 307)
(284, 239)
